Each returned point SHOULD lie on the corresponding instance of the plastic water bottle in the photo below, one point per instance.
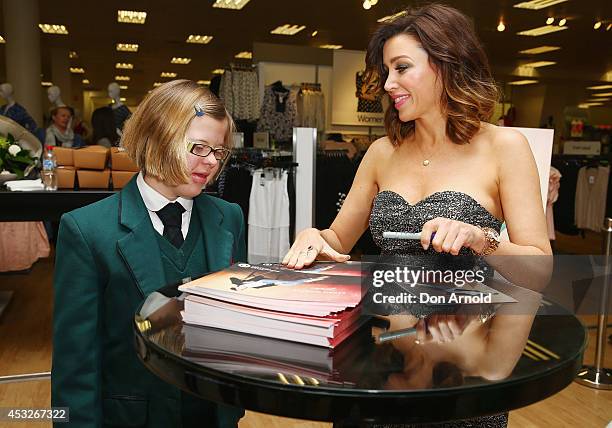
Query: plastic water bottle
(48, 174)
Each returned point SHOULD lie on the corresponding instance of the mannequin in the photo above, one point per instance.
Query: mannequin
(55, 96)
(120, 110)
(14, 110)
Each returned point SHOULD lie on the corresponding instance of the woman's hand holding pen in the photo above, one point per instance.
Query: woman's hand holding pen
(309, 246)
(441, 328)
(451, 236)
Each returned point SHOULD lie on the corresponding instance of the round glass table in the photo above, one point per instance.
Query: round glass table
(499, 363)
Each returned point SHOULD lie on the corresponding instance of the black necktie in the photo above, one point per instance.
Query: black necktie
(172, 217)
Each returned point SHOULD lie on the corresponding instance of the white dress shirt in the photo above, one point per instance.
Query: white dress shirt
(155, 201)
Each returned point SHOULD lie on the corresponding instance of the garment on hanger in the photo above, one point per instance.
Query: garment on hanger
(335, 174)
(368, 101)
(278, 112)
(20, 115)
(591, 194)
(554, 182)
(311, 109)
(268, 240)
(239, 90)
(564, 213)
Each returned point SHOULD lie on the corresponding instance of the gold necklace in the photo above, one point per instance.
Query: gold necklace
(427, 159)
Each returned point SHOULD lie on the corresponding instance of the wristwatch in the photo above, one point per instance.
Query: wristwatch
(491, 241)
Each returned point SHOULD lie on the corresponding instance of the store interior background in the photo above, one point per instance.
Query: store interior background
(560, 90)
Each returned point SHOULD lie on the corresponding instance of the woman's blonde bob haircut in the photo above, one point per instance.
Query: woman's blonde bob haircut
(155, 135)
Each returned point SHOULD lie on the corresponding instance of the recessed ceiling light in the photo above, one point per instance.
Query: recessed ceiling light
(367, 5)
(131, 16)
(127, 47)
(122, 99)
(122, 78)
(77, 70)
(562, 22)
(501, 27)
(331, 46)
(53, 28)
(603, 94)
(46, 83)
(597, 25)
(600, 87)
(168, 74)
(391, 17)
(124, 65)
(124, 87)
(230, 4)
(203, 82)
(85, 81)
(587, 105)
(2, 40)
(609, 27)
(537, 64)
(156, 84)
(539, 50)
(72, 55)
(314, 33)
(288, 30)
(179, 60)
(218, 71)
(244, 54)
(537, 4)
(550, 20)
(522, 82)
(197, 38)
(598, 100)
(540, 31)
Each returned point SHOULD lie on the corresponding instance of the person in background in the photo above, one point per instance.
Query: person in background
(111, 255)
(59, 133)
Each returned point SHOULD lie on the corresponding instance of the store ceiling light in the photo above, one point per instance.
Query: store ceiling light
(77, 70)
(168, 74)
(288, 30)
(53, 28)
(156, 84)
(597, 25)
(537, 64)
(218, 71)
(598, 87)
(2, 40)
(47, 84)
(367, 5)
(609, 27)
(72, 55)
(197, 38)
(230, 4)
(602, 94)
(587, 105)
(203, 82)
(314, 33)
(562, 22)
(550, 20)
(537, 4)
(127, 47)
(540, 31)
(122, 78)
(131, 16)
(598, 100)
(522, 82)
(501, 27)
(391, 17)
(85, 81)
(244, 54)
(123, 87)
(540, 50)
(122, 99)
(124, 66)
(331, 46)
(179, 60)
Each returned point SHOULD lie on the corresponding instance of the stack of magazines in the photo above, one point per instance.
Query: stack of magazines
(317, 306)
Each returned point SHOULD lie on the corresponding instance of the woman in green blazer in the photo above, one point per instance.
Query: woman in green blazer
(110, 255)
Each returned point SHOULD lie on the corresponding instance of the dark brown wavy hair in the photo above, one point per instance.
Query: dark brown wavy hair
(455, 53)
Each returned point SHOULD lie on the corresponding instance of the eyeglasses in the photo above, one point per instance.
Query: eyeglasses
(204, 150)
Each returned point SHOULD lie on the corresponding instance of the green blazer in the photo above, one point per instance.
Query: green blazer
(107, 261)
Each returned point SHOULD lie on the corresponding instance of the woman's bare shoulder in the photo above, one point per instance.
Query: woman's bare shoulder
(381, 148)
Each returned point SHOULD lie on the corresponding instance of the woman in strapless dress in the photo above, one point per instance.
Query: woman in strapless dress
(441, 168)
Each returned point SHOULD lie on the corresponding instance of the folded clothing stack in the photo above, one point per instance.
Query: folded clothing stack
(25, 185)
